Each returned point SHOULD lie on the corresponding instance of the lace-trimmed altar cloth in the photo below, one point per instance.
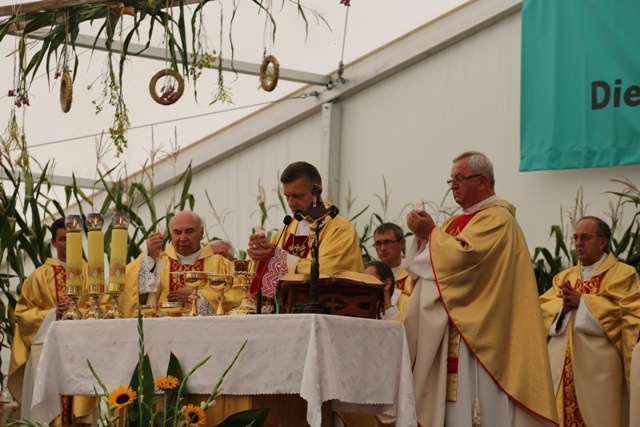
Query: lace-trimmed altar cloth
(362, 365)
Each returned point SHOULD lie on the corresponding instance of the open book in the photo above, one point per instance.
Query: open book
(341, 276)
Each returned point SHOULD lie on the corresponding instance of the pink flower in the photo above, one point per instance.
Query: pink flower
(345, 2)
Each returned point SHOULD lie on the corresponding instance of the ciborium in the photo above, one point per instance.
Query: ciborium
(220, 283)
(244, 270)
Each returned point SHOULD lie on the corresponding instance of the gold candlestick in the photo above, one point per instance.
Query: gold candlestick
(73, 223)
(117, 262)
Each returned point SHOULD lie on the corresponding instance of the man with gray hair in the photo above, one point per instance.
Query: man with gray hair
(149, 278)
(473, 322)
(583, 320)
(224, 248)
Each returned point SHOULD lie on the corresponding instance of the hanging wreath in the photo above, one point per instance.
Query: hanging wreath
(169, 94)
(66, 91)
(269, 81)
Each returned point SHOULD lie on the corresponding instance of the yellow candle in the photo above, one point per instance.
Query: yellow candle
(118, 261)
(74, 259)
(95, 257)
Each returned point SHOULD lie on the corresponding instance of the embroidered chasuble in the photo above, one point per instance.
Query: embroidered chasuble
(587, 366)
(41, 292)
(207, 261)
(339, 251)
(482, 290)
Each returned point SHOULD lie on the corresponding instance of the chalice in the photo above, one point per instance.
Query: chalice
(193, 281)
(220, 283)
(244, 270)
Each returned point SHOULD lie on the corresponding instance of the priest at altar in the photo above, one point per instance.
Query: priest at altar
(289, 249)
(43, 299)
(149, 277)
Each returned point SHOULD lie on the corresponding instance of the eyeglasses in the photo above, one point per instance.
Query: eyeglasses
(582, 237)
(459, 179)
(382, 243)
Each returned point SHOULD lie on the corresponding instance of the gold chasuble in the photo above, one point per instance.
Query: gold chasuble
(588, 369)
(404, 282)
(339, 247)
(207, 261)
(41, 292)
(485, 278)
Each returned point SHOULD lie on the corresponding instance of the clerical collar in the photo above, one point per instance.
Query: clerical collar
(303, 228)
(189, 259)
(475, 208)
(586, 271)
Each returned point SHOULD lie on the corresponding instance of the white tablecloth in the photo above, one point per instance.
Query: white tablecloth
(362, 365)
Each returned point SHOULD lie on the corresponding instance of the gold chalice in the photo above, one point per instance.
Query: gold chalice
(244, 270)
(193, 280)
(220, 283)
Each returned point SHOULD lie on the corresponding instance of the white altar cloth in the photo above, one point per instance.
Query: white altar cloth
(362, 365)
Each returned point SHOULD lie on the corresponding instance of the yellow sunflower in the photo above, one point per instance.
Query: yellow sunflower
(121, 397)
(195, 416)
(167, 383)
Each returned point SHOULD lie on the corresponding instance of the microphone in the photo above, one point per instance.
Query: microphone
(286, 221)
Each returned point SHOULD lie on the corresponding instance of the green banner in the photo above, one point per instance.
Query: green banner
(580, 93)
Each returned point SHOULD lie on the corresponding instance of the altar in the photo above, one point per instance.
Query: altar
(351, 364)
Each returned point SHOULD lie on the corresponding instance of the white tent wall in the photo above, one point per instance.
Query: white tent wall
(232, 185)
(406, 129)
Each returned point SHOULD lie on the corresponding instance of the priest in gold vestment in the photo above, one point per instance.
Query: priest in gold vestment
(44, 291)
(289, 251)
(583, 318)
(149, 278)
(630, 310)
(473, 322)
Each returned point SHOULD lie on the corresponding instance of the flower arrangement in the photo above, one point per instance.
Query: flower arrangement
(158, 402)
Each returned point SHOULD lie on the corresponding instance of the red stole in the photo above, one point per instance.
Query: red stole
(460, 223)
(571, 410)
(176, 281)
(297, 245)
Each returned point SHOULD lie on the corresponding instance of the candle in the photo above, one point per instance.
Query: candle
(73, 224)
(118, 259)
(95, 254)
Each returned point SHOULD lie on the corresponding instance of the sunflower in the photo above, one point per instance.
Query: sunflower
(167, 383)
(121, 397)
(195, 416)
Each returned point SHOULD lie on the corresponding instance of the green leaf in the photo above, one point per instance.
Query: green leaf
(249, 418)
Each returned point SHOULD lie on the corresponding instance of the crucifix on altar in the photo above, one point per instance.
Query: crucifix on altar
(316, 215)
